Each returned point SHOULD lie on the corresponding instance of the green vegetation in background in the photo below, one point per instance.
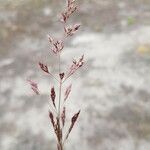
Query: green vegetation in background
(130, 20)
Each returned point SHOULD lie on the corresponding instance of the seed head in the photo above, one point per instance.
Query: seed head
(34, 87)
(53, 96)
(44, 67)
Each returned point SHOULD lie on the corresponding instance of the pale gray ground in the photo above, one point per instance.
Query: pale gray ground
(112, 90)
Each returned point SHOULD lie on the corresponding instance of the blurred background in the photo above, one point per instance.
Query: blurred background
(112, 89)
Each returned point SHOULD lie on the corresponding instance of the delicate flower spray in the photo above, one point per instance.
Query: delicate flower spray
(57, 113)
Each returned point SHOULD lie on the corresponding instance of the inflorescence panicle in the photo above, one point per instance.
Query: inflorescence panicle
(57, 114)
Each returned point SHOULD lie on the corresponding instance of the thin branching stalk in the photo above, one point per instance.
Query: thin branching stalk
(57, 113)
(60, 84)
(60, 146)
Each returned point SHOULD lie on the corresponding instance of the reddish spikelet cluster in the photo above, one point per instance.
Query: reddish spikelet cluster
(56, 45)
(43, 67)
(57, 114)
(75, 66)
(52, 118)
(73, 121)
(71, 30)
(61, 75)
(53, 95)
(71, 8)
(63, 116)
(57, 129)
(67, 92)
(34, 87)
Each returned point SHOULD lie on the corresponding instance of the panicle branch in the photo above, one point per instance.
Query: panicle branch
(63, 116)
(71, 30)
(74, 67)
(56, 45)
(71, 8)
(73, 121)
(34, 87)
(44, 67)
(53, 96)
(67, 92)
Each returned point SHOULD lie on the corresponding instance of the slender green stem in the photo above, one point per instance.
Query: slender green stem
(60, 145)
(60, 86)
